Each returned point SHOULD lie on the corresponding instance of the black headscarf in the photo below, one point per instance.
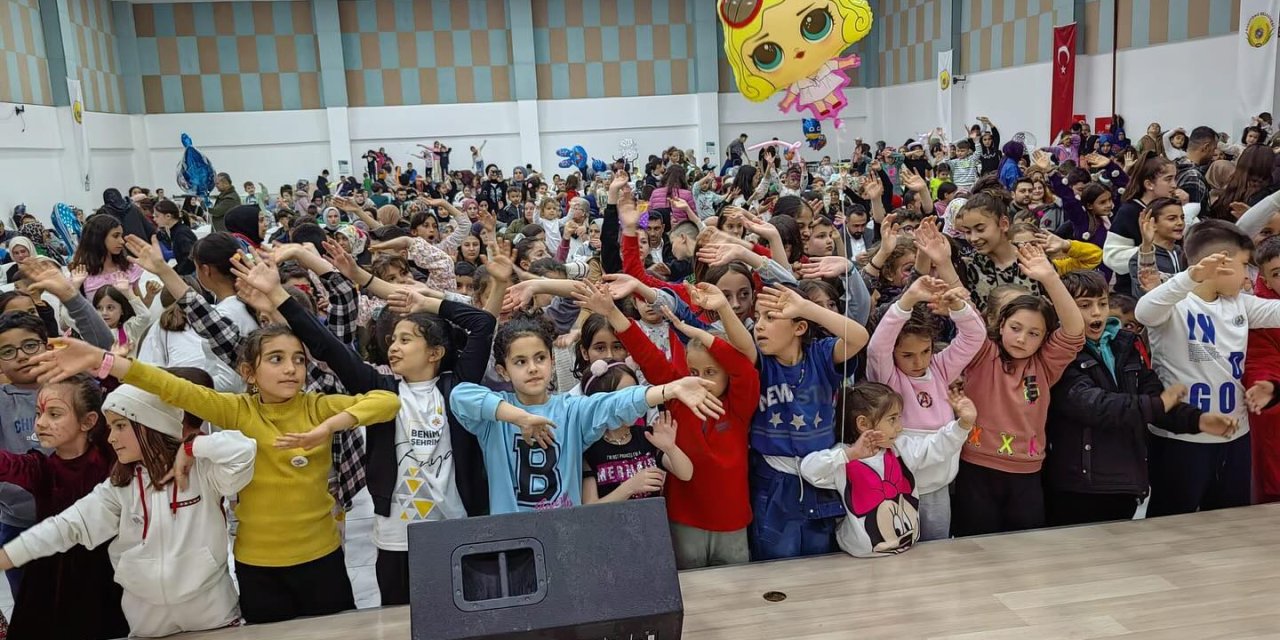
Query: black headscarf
(243, 221)
(130, 217)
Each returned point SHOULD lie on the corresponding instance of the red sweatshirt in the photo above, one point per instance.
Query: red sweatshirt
(1262, 362)
(716, 499)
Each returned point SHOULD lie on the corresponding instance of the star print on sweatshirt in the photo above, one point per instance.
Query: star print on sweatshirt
(797, 402)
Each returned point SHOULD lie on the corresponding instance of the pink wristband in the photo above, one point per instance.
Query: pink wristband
(108, 360)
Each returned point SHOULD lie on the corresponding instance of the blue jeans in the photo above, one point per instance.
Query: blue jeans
(790, 521)
(14, 576)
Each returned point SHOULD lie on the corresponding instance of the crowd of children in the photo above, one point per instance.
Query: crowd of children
(910, 344)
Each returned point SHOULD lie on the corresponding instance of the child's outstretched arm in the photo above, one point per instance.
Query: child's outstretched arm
(821, 468)
(223, 460)
(712, 298)
(46, 276)
(850, 336)
(69, 357)
(880, 348)
(1157, 307)
(91, 521)
(1036, 265)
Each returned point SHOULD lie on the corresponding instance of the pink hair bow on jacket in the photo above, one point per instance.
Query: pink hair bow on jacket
(867, 490)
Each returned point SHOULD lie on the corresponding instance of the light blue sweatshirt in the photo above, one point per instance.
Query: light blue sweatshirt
(525, 478)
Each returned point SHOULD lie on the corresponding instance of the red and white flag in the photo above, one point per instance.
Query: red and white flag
(1064, 79)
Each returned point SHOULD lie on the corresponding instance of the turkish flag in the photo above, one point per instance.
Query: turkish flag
(1064, 79)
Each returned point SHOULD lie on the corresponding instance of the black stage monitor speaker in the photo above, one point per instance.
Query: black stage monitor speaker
(600, 572)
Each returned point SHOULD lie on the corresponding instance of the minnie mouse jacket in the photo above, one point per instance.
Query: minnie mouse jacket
(880, 496)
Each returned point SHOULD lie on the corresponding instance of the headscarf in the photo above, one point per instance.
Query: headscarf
(34, 231)
(115, 203)
(21, 241)
(1219, 173)
(242, 222)
(130, 217)
(1014, 150)
(357, 238)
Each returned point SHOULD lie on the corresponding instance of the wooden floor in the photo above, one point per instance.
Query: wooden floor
(1201, 576)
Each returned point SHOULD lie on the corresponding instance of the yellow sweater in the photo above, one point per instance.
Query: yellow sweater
(1082, 256)
(286, 512)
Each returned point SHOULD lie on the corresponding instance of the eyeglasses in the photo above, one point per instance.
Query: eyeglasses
(29, 347)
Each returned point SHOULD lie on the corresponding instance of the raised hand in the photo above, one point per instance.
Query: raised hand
(145, 255)
(620, 180)
(695, 393)
(260, 273)
(872, 188)
(594, 298)
(518, 296)
(65, 358)
(1041, 160)
(628, 213)
(663, 435)
(79, 274)
(1147, 225)
(708, 296)
(341, 259)
(1211, 266)
(500, 267)
(924, 289)
(891, 231)
(1034, 263)
(825, 267)
(46, 276)
(1052, 244)
(868, 444)
(781, 303)
(930, 240)
(621, 285)
(406, 300)
(719, 254)
(256, 300)
(912, 180)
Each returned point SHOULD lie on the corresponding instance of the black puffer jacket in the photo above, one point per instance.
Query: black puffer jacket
(1097, 426)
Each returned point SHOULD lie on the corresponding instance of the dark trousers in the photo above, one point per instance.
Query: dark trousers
(14, 576)
(1188, 476)
(316, 588)
(1067, 507)
(991, 501)
(393, 577)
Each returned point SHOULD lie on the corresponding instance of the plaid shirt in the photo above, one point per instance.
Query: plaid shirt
(224, 338)
(1191, 180)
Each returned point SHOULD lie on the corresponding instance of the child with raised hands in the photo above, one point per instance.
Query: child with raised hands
(533, 441)
(288, 551)
(998, 487)
(225, 337)
(799, 378)
(901, 355)
(984, 221)
(875, 468)
(1199, 324)
(69, 592)
(629, 460)
(160, 510)
(709, 512)
(1159, 257)
(423, 465)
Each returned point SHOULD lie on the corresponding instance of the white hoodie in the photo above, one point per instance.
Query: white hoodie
(882, 514)
(170, 546)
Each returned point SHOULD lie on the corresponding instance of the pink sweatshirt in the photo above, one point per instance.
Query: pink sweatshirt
(1013, 403)
(924, 399)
